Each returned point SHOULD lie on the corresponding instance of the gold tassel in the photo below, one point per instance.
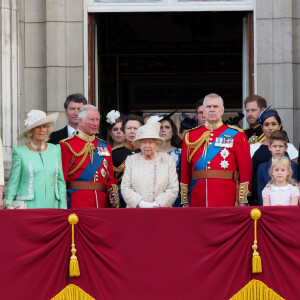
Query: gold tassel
(256, 260)
(74, 265)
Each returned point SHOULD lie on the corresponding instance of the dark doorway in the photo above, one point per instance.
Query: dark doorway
(166, 61)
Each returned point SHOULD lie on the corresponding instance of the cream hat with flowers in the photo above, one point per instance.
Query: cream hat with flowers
(148, 131)
(37, 118)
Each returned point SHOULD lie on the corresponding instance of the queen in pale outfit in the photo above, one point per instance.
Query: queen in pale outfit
(150, 178)
(36, 179)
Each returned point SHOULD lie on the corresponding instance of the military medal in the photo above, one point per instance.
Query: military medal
(103, 173)
(105, 163)
(224, 164)
(100, 151)
(224, 142)
(224, 153)
(253, 139)
(106, 151)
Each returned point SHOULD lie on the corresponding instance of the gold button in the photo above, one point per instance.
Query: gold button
(212, 134)
(209, 143)
(208, 168)
(210, 139)
(208, 162)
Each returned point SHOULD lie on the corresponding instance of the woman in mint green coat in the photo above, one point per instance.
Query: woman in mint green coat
(36, 179)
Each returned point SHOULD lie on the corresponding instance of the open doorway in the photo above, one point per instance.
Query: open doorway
(164, 61)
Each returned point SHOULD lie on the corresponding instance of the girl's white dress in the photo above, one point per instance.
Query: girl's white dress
(281, 195)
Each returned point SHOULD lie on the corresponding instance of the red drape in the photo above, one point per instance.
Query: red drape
(165, 253)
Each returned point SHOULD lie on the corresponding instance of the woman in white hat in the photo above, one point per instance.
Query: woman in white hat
(150, 178)
(36, 179)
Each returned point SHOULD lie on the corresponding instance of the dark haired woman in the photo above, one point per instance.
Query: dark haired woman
(130, 125)
(270, 122)
(172, 146)
(116, 136)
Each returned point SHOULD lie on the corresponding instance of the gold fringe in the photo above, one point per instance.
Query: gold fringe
(196, 145)
(256, 260)
(256, 290)
(74, 265)
(72, 292)
(89, 148)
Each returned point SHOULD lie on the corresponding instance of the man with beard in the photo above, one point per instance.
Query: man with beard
(254, 105)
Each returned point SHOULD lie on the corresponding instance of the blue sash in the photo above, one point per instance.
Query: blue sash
(211, 152)
(90, 170)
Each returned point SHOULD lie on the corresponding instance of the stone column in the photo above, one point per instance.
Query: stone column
(296, 69)
(64, 59)
(10, 86)
(275, 76)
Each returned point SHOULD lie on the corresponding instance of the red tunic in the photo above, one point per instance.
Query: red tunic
(104, 174)
(215, 192)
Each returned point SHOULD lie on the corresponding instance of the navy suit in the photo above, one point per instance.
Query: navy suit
(263, 176)
(57, 136)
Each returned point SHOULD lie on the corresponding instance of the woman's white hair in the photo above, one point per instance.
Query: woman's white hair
(84, 109)
(213, 95)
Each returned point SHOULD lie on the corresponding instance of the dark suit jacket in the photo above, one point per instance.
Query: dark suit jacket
(57, 136)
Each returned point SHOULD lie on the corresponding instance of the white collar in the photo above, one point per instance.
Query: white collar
(70, 130)
(280, 188)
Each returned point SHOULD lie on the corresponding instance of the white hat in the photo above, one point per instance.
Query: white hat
(112, 116)
(37, 118)
(148, 131)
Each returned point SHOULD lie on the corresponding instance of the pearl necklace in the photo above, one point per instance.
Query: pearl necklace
(36, 147)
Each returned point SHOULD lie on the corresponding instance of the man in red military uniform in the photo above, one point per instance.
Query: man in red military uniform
(87, 164)
(216, 166)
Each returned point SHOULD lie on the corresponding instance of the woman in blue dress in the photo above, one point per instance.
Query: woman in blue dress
(173, 144)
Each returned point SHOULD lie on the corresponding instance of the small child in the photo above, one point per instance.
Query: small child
(282, 189)
(278, 147)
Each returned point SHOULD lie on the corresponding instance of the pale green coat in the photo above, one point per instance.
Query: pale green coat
(37, 178)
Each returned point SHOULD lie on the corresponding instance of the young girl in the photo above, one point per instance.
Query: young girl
(282, 189)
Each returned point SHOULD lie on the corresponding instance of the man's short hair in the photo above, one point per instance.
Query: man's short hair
(78, 98)
(213, 95)
(84, 109)
(279, 135)
(199, 103)
(261, 102)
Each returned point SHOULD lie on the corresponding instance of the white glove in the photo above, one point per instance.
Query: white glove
(144, 204)
(155, 204)
(9, 206)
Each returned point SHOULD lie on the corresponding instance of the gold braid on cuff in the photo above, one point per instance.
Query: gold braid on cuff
(183, 192)
(243, 192)
(116, 193)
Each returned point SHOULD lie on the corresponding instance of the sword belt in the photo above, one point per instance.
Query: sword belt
(86, 185)
(216, 174)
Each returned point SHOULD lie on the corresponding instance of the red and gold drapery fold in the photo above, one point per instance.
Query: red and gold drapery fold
(165, 253)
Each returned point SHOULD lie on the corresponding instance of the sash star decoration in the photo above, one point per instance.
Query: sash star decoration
(224, 153)
(224, 164)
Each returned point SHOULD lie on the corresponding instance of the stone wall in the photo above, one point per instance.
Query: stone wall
(54, 62)
(277, 57)
(10, 45)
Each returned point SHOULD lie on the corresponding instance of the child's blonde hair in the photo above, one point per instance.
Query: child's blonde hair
(284, 161)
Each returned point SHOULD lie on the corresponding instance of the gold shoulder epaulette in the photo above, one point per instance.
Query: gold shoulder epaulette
(194, 128)
(236, 128)
(118, 147)
(245, 129)
(66, 139)
(204, 138)
(101, 140)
